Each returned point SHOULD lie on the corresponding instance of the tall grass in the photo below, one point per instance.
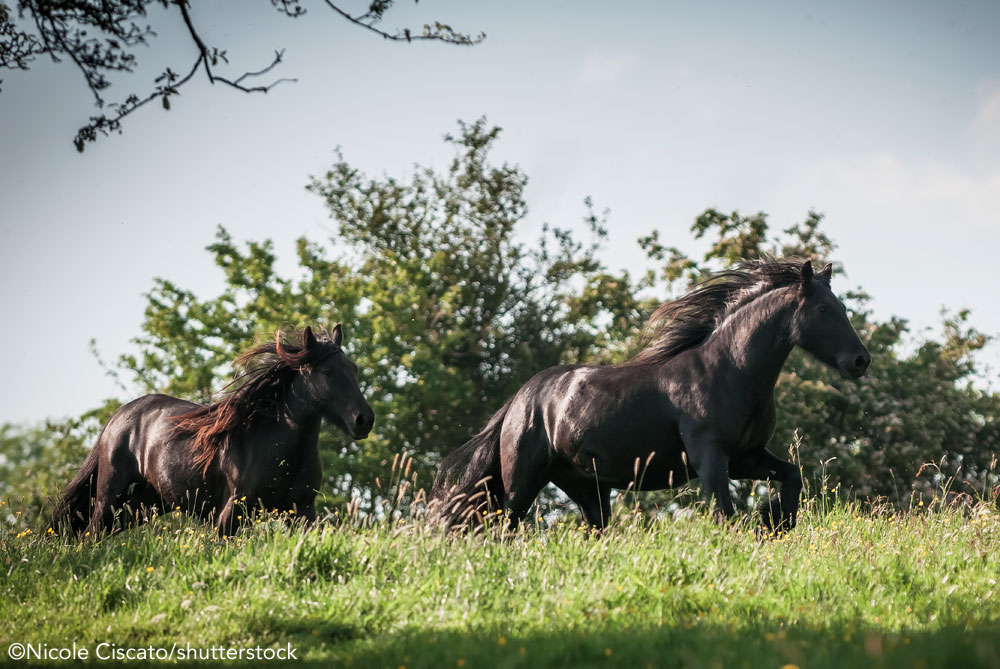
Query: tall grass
(851, 584)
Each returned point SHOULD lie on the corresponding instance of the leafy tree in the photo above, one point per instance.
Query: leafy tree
(101, 38)
(445, 311)
(448, 311)
(38, 461)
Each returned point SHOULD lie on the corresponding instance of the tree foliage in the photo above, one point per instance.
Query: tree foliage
(447, 310)
(101, 38)
(914, 423)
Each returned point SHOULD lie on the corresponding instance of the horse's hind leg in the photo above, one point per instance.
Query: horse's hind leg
(524, 466)
(586, 492)
(116, 476)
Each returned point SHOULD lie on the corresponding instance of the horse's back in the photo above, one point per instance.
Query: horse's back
(592, 414)
(149, 412)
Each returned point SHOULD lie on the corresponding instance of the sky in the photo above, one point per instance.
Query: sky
(883, 116)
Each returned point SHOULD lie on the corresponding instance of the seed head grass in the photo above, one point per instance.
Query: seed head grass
(850, 586)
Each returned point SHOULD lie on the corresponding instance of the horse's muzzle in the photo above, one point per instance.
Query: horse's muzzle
(855, 368)
(363, 424)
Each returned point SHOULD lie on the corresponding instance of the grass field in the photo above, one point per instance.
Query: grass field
(849, 587)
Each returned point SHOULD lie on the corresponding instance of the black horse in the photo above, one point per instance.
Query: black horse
(257, 447)
(697, 402)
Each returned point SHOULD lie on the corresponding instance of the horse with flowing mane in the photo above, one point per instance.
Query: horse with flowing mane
(258, 446)
(697, 402)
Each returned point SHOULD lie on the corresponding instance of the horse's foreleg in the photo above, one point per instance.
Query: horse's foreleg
(764, 465)
(305, 508)
(711, 464)
(224, 523)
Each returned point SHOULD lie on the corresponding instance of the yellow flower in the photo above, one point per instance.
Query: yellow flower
(607, 651)
(501, 641)
(460, 662)
(150, 570)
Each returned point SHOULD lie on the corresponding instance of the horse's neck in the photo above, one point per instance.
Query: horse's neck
(755, 340)
(301, 412)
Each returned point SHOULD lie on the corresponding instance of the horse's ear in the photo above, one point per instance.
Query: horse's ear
(308, 338)
(826, 273)
(806, 277)
(337, 336)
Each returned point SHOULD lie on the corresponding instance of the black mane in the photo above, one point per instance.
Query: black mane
(265, 373)
(688, 321)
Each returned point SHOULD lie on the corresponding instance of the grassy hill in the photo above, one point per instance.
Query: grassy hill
(848, 587)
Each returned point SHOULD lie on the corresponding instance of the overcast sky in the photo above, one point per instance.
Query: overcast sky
(884, 116)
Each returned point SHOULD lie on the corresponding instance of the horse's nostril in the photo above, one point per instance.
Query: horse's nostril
(861, 361)
(362, 421)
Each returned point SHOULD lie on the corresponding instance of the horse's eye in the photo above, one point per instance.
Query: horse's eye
(822, 309)
(325, 371)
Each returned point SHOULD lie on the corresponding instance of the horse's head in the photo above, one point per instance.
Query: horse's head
(330, 380)
(821, 327)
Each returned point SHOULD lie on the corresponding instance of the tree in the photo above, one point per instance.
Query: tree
(444, 310)
(100, 39)
(447, 312)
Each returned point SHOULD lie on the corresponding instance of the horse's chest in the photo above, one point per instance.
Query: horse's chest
(757, 429)
(283, 475)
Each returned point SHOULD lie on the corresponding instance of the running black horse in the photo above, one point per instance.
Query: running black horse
(257, 447)
(697, 402)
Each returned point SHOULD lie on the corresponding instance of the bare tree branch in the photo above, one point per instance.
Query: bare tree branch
(439, 31)
(99, 37)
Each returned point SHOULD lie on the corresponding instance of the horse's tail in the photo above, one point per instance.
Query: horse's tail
(76, 502)
(468, 480)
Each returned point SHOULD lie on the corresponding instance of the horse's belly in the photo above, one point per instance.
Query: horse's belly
(641, 451)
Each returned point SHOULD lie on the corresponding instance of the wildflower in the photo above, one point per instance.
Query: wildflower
(150, 570)
(501, 641)
(607, 651)
(461, 662)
